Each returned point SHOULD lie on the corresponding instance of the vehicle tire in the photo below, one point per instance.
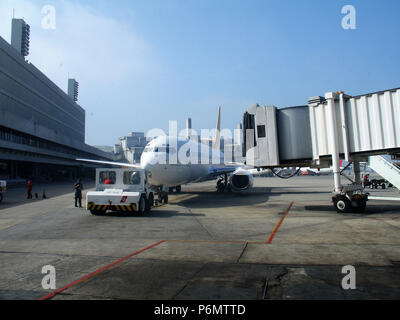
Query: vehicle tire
(383, 186)
(178, 189)
(97, 213)
(150, 202)
(142, 205)
(342, 204)
(1, 197)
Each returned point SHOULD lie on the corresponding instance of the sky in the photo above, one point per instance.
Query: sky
(141, 63)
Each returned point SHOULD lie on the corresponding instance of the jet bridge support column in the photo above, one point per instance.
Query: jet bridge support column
(350, 197)
(357, 172)
(334, 141)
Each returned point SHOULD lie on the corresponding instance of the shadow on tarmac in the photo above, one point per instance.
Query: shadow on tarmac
(370, 210)
(207, 199)
(152, 214)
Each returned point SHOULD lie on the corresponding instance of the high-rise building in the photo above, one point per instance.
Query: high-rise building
(73, 89)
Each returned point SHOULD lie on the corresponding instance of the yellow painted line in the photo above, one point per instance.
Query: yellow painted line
(182, 198)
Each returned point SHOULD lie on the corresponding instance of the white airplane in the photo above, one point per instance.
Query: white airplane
(164, 174)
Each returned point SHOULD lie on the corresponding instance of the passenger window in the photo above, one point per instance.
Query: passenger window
(108, 177)
(132, 178)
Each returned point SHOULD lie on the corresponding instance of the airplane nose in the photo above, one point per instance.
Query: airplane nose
(147, 161)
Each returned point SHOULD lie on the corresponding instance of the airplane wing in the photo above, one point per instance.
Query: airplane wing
(238, 164)
(215, 172)
(118, 164)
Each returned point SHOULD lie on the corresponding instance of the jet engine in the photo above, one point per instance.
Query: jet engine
(241, 180)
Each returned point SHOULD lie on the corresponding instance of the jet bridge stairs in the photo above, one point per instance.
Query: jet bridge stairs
(387, 170)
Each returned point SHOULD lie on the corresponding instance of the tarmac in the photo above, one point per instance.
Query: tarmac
(283, 240)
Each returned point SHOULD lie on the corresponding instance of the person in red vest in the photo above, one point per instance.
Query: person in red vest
(30, 187)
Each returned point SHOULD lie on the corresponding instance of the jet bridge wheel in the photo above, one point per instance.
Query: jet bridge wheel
(359, 203)
(341, 204)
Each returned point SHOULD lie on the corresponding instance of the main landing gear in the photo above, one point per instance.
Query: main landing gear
(222, 183)
(177, 189)
(162, 196)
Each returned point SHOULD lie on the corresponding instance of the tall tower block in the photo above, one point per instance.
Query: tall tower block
(20, 36)
(73, 89)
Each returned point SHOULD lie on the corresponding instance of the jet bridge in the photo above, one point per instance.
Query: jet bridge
(329, 129)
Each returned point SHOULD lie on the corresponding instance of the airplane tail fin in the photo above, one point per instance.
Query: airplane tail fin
(217, 142)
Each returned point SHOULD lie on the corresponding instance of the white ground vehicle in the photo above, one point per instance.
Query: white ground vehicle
(120, 190)
(3, 186)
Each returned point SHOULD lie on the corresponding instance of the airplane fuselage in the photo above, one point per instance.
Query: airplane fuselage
(171, 161)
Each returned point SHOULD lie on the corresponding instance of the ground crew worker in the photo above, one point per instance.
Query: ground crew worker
(78, 187)
(30, 187)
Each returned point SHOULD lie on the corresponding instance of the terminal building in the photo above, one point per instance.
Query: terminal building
(42, 129)
(131, 147)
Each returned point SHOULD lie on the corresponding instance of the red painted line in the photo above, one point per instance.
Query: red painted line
(53, 294)
(274, 232)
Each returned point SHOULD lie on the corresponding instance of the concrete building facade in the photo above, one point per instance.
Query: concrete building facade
(39, 123)
(132, 147)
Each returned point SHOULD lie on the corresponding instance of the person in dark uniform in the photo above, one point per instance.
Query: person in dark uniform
(78, 187)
